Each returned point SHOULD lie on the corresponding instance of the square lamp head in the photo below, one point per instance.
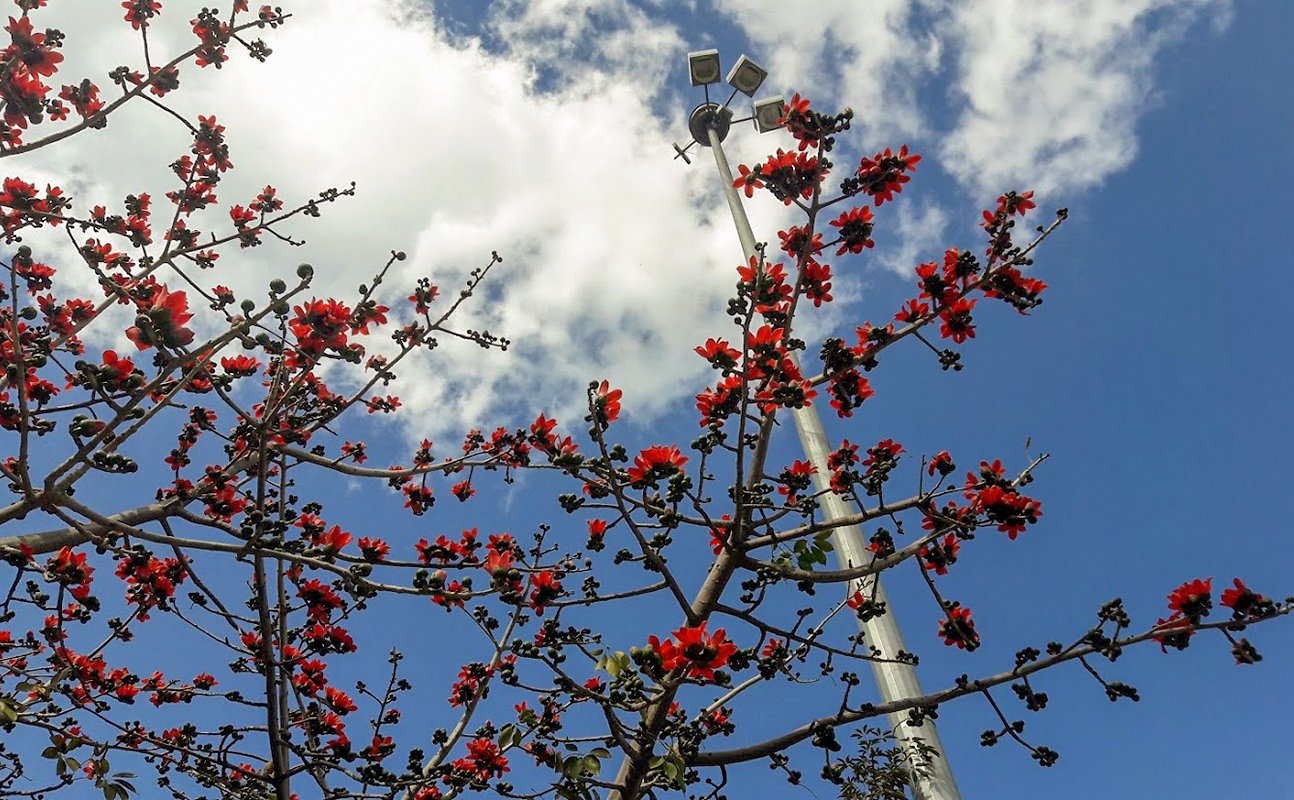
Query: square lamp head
(768, 113)
(703, 67)
(746, 76)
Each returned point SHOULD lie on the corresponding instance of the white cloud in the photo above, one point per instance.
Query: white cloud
(1042, 94)
(873, 56)
(1052, 91)
(917, 236)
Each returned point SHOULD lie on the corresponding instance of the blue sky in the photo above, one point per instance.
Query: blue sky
(1154, 373)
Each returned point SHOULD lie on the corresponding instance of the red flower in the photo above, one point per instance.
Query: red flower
(332, 541)
(939, 557)
(165, 314)
(30, 49)
(69, 568)
(544, 589)
(139, 12)
(498, 562)
(855, 230)
(1245, 602)
(957, 321)
(912, 312)
(606, 403)
(748, 180)
(1011, 510)
(719, 535)
(942, 462)
(816, 280)
(1013, 203)
(719, 353)
(1174, 632)
(883, 175)
(655, 463)
(885, 451)
(483, 761)
(796, 242)
(597, 532)
(958, 628)
(373, 549)
(697, 652)
(240, 366)
(1192, 599)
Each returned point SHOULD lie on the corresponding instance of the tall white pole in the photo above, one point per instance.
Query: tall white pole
(894, 679)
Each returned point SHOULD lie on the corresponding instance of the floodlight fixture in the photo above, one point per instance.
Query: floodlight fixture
(746, 76)
(768, 113)
(703, 67)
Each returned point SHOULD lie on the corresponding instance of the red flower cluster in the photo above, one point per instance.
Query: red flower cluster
(655, 463)
(482, 763)
(883, 175)
(697, 653)
(855, 230)
(958, 628)
(139, 12)
(150, 581)
(161, 320)
(605, 403)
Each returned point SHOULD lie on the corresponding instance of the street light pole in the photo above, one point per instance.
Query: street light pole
(895, 679)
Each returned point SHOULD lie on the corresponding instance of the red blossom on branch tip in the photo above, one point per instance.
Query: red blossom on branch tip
(913, 311)
(697, 652)
(1174, 632)
(139, 12)
(1246, 603)
(939, 556)
(883, 175)
(957, 320)
(606, 404)
(163, 319)
(655, 463)
(941, 462)
(748, 180)
(29, 50)
(719, 353)
(373, 550)
(855, 230)
(957, 628)
(815, 279)
(1012, 203)
(796, 242)
(796, 104)
(1193, 599)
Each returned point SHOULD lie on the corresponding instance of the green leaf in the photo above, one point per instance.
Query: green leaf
(615, 664)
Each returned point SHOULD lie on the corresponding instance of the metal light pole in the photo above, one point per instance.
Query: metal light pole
(895, 680)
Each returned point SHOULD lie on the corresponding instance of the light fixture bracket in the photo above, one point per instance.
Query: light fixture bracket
(707, 116)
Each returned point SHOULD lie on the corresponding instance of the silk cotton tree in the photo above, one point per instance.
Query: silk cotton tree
(616, 647)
